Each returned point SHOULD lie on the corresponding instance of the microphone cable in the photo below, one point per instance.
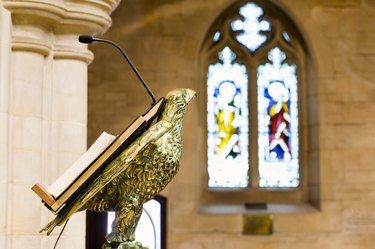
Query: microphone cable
(61, 232)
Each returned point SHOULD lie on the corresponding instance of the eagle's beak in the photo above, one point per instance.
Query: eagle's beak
(190, 94)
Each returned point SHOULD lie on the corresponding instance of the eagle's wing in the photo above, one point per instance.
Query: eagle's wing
(113, 170)
(136, 175)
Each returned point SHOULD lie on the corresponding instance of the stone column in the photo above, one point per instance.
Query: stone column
(5, 36)
(44, 110)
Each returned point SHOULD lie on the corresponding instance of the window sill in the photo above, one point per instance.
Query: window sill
(271, 208)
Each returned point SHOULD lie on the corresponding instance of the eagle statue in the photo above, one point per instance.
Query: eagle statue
(134, 177)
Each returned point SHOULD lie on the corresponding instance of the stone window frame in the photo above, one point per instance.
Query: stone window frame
(254, 199)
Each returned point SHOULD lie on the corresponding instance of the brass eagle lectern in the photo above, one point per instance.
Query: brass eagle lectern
(140, 170)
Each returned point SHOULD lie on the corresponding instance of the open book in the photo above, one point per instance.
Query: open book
(78, 167)
(94, 160)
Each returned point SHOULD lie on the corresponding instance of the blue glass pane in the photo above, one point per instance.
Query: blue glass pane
(286, 37)
(216, 36)
(227, 122)
(277, 122)
(251, 28)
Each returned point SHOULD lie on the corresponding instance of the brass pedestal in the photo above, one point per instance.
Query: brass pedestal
(124, 245)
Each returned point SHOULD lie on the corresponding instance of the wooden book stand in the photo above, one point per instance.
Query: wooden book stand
(140, 125)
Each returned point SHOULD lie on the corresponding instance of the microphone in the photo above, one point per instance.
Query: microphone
(89, 39)
(85, 39)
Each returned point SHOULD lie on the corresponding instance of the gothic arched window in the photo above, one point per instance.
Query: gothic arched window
(254, 66)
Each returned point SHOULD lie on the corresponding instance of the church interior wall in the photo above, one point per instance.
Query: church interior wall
(163, 39)
(43, 76)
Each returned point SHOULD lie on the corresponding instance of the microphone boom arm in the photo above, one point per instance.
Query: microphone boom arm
(90, 39)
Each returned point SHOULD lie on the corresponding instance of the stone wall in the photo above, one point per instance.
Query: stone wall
(163, 39)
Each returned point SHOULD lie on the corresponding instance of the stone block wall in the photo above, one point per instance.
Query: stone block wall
(163, 38)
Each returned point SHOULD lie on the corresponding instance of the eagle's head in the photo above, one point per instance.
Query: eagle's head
(177, 100)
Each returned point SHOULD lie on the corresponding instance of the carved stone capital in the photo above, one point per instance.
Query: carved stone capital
(53, 26)
(63, 16)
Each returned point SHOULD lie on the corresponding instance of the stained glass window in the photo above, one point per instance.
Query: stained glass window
(286, 37)
(227, 122)
(277, 122)
(252, 27)
(251, 74)
(216, 37)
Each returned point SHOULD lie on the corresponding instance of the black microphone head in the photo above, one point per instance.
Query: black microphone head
(85, 39)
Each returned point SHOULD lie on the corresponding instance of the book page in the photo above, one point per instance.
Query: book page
(78, 167)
